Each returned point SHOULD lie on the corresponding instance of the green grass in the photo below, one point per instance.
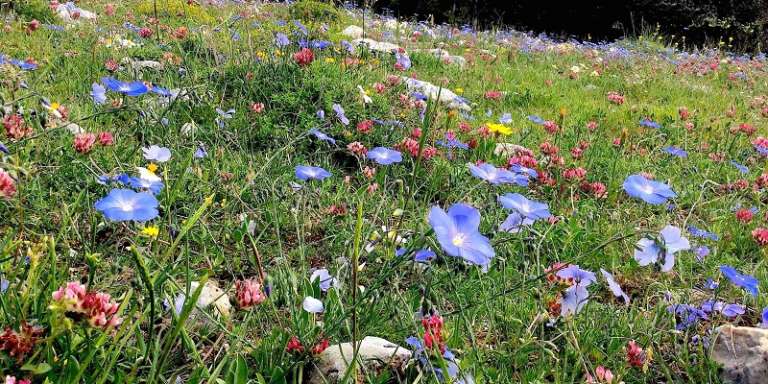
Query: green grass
(495, 321)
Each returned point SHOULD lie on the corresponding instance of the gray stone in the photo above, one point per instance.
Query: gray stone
(374, 355)
(353, 32)
(743, 353)
(432, 91)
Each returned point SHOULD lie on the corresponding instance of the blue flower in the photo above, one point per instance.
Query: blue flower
(687, 315)
(281, 40)
(649, 251)
(340, 114)
(306, 172)
(614, 286)
(156, 153)
(575, 296)
(517, 168)
(132, 88)
(650, 124)
(147, 180)
(457, 233)
(322, 136)
(403, 60)
(326, 280)
(505, 118)
(701, 251)
(702, 233)
(127, 205)
(514, 223)
(200, 153)
(424, 255)
(497, 176)
(452, 144)
(527, 208)
(536, 119)
(346, 45)
(675, 151)
(4, 149)
(764, 324)
(743, 169)
(158, 90)
(320, 114)
(98, 93)
(749, 283)
(652, 192)
(224, 115)
(385, 156)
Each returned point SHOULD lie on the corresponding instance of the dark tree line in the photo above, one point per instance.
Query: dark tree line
(743, 23)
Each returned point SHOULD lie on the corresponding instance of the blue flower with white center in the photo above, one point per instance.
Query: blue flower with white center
(128, 205)
(497, 176)
(128, 88)
(650, 191)
(306, 172)
(529, 209)
(648, 251)
(384, 156)
(748, 282)
(458, 235)
(505, 118)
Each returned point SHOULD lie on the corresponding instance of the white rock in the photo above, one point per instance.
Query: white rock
(353, 32)
(74, 128)
(447, 96)
(508, 149)
(142, 64)
(393, 24)
(374, 353)
(212, 295)
(378, 46)
(743, 352)
(70, 13)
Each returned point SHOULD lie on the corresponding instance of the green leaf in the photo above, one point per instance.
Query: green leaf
(36, 369)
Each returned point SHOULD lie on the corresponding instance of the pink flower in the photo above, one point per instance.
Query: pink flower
(83, 142)
(379, 87)
(97, 307)
(548, 148)
(369, 172)
(249, 293)
(320, 347)
(551, 127)
(145, 32)
(109, 9)
(111, 65)
(493, 95)
(592, 126)
(684, 114)
(744, 215)
(635, 354)
(106, 138)
(7, 185)
(616, 98)
(304, 57)
(15, 126)
(357, 148)
(13, 380)
(257, 107)
(760, 235)
(294, 345)
(365, 126)
(575, 173)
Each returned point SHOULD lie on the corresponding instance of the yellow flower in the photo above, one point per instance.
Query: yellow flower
(151, 231)
(499, 128)
(152, 167)
(330, 60)
(459, 91)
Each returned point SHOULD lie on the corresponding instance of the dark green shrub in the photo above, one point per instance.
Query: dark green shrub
(33, 10)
